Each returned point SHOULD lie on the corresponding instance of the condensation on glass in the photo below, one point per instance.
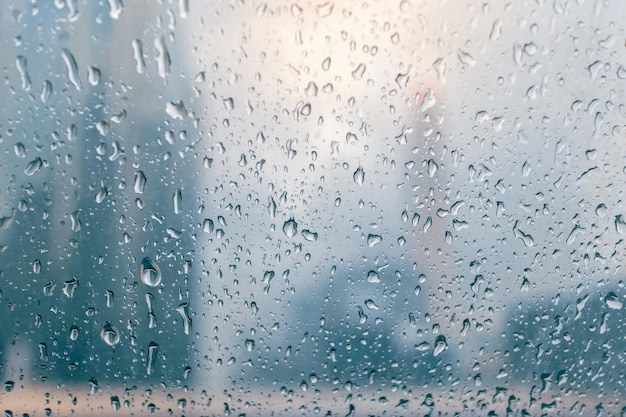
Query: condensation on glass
(323, 207)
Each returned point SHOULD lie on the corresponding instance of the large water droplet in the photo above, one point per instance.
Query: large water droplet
(183, 310)
(149, 272)
(440, 345)
(290, 228)
(69, 287)
(373, 240)
(33, 166)
(72, 69)
(612, 301)
(153, 350)
(359, 175)
(309, 236)
(110, 335)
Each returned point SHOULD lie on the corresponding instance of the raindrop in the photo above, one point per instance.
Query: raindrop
(290, 227)
(149, 272)
(163, 57)
(110, 335)
(93, 385)
(72, 69)
(309, 236)
(612, 301)
(138, 55)
(69, 287)
(8, 386)
(48, 289)
(153, 350)
(359, 175)
(140, 182)
(75, 220)
(74, 333)
(369, 303)
(357, 74)
(440, 345)
(177, 199)
(311, 89)
(116, 7)
(372, 276)
(373, 240)
(176, 110)
(115, 403)
(33, 166)
(46, 91)
(183, 310)
(22, 69)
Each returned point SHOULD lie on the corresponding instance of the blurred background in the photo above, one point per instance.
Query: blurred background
(290, 208)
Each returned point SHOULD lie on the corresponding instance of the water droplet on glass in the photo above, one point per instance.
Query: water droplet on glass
(116, 7)
(69, 287)
(612, 301)
(177, 200)
(249, 345)
(75, 220)
(229, 104)
(153, 350)
(324, 9)
(33, 166)
(8, 386)
(309, 236)
(93, 75)
(140, 63)
(163, 58)
(115, 403)
(372, 276)
(46, 91)
(140, 182)
(183, 310)
(311, 89)
(110, 335)
(369, 303)
(93, 385)
(326, 64)
(176, 110)
(357, 74)
(440, 345)
(71, 68)
(74, 333)
(23, 70)
(359, 175)
(290, 228)
(48, 289)
(110, 298)
(373, 240)
(149, 272)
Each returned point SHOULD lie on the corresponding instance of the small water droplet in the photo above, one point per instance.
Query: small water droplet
(110, 335)
(369, 303)
(149, 272)
(9, 385)
(163, 58)
(357, 74)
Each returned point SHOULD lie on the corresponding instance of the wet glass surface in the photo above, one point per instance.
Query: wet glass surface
(295, 208)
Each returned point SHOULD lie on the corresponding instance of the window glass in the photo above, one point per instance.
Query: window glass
(322, 207)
